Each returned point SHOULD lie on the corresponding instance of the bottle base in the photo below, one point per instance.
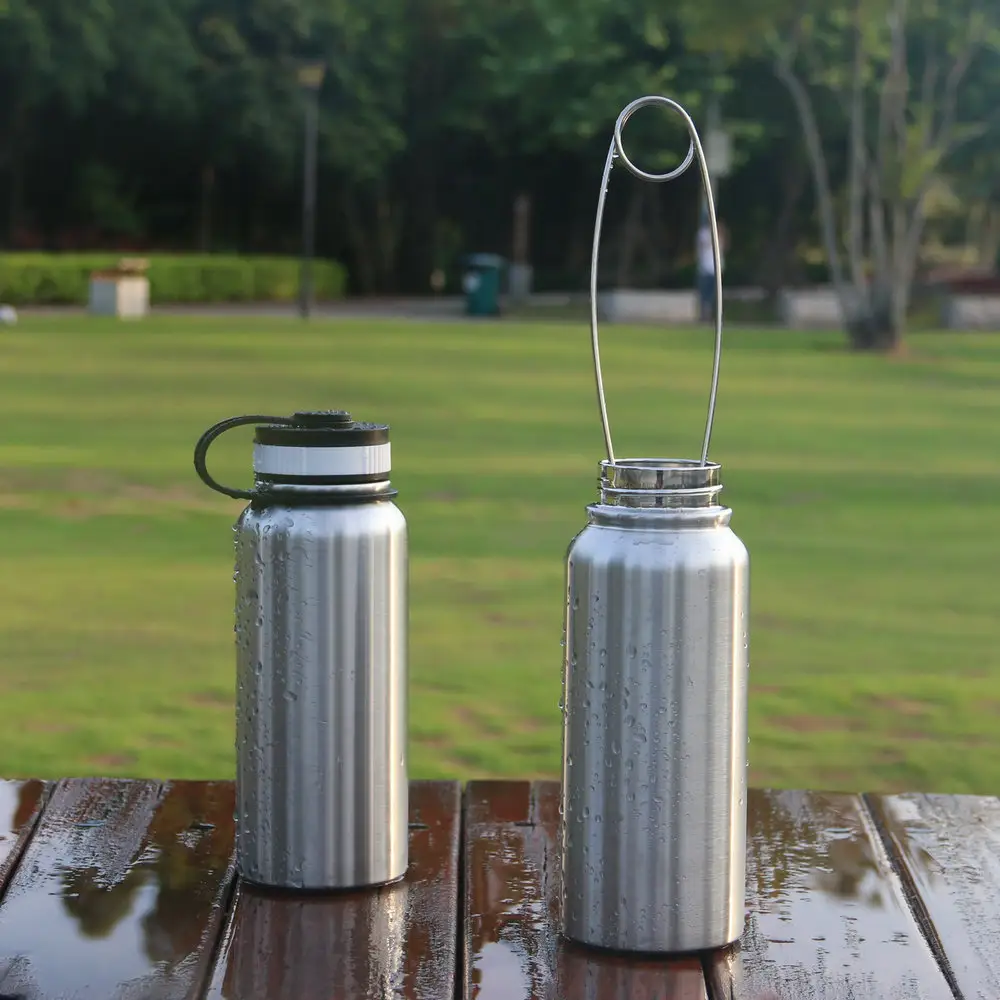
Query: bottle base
(299, 888)
(649, 946)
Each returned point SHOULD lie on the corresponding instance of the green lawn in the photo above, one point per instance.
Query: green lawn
(865, 489)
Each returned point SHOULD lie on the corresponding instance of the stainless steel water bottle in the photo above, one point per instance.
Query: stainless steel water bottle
(655, 694)
(321, 618)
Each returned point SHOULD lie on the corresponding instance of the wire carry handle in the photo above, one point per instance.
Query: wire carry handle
(617, 150)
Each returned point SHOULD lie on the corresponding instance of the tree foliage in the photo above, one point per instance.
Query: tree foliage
(178, 123)
(909, 79)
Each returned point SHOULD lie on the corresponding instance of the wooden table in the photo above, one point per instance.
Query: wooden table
(121, 890)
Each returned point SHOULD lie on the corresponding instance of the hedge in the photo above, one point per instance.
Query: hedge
(63, 278)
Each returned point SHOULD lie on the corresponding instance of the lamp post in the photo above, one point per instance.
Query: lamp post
(310, 79)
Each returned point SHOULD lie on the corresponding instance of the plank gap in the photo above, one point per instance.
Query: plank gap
(460, 924)
(37, 795)
(912, 896)
(115, 877)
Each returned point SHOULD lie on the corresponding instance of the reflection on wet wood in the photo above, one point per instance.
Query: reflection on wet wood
(947, 848)
(118, 889)
(20, 805)
(826, 915)
(513, 950)
(397, 941)
(120, 893)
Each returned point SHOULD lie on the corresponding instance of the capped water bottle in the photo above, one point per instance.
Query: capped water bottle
(655, 688)
(321, 619)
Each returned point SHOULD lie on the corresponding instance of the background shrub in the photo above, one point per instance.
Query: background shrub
(62, 279)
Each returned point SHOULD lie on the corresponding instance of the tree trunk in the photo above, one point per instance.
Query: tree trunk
(359, 239)
(205, 222)
(988, 241)
(870, 318)
(387, 241)
(876, 327)
(630, 236)
(821, 180)
(521, 237)
(414, 244)
(857, 168)
(16, 151)
(772, 272)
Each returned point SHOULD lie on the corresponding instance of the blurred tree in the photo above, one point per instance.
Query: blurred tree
(368, 49)
(178, 123)
(898, 70)
(50, 52)
(550, 80)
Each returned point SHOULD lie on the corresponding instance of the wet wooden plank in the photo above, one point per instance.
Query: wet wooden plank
(397, 941)
(20, 805)
(947, 848)
(827, 917)
(513, 949)
(120, 893)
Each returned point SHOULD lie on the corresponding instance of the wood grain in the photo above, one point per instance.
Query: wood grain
(120, 893)
(513, 949)
(827, 917)
(947, 848)
(395, 941)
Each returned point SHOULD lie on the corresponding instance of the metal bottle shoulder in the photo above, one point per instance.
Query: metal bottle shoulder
(381, 518)
(652, 538)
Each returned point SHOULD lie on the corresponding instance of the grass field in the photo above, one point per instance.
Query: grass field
(865, 489)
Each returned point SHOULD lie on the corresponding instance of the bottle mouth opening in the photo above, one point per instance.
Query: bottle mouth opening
(659, 482)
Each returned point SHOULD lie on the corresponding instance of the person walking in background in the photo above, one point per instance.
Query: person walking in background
(706, 268)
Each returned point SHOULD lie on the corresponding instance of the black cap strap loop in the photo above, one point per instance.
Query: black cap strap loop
(201, 450)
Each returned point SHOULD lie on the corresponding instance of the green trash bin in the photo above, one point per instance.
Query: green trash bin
(481, 284)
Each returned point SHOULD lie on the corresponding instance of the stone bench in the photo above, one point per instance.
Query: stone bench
(966, 311)
(628, 305)
(810, 307)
